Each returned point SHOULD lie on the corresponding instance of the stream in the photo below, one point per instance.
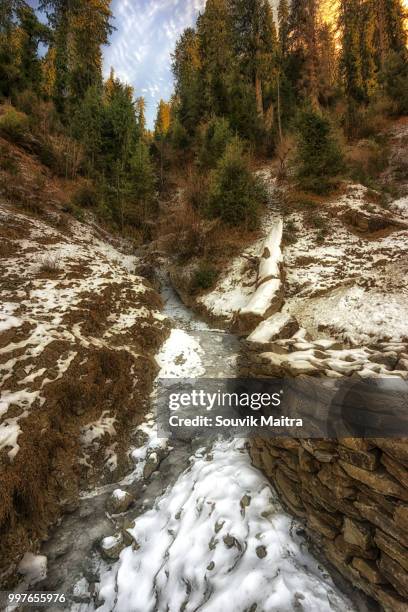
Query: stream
(207, 531)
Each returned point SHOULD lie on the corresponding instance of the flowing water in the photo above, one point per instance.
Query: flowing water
(208, 531)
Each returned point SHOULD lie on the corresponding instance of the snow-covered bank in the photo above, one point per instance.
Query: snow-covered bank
(218, 540)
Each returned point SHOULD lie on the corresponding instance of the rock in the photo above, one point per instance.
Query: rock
(288, 489)
(358, 444)
(397, 448)
(402, 365)
(392, 548)
(261, 552)
(151, 465)
(280, 325)
(140, 439)
(380, 481)
(119, 502)
(349, 550)
(369, 570)
(396, 469)
(333, 477)
(307, 462)
(272, 364)
(326, 345)
(112, 546)
(394, 573)
(368, 460)
(316, 523)
(389, 359)
(245, 502)
(230, 542)
(401, 516)
(381, 520)
(300, 368)
(358, 534)
(390, 600)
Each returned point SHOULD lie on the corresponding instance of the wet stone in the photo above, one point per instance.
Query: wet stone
(261, 552)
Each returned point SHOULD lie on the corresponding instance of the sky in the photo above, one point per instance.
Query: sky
(140, 49)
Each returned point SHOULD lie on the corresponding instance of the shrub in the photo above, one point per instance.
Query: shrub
(196, 193)
(86, 196)
(205, 276)
(236, 195)
(319, 157)
(14, 125)
(7, 163)
(215, 138)
(49, 265)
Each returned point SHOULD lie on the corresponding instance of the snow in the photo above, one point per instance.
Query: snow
(180, 356)
(33, 568)
(119, 494)
(202, 547)
(105, 425)
(270, 329)
(353, 286)
(39, 309)
(269, 266)
(261, 301)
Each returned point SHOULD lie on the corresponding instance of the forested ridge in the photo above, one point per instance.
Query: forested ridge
(298, 81)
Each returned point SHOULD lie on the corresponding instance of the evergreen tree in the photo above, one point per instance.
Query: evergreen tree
(319, 155)
(351, 58)
(162, 123)
(255, 44)
(328, 65)
(142, 185)
(236, 195)
(303, 46)
(214, 34)
(283, 24)
(217, 135)
(188, 85)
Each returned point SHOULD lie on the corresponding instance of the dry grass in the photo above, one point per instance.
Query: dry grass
(49, 265)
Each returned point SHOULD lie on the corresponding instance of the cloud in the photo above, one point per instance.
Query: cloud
(141, 47)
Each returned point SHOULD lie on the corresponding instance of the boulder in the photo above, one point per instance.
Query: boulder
(112, 546)
(119, 502)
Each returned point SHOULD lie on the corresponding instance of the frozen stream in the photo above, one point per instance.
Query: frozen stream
(206, 531)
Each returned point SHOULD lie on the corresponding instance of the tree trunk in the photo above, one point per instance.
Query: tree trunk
(259, 100)
(279, 111)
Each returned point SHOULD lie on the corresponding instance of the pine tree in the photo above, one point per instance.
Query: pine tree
(214, 34)
(328, 65)
(81, 27)
(319, 155)
(351, 59)
(141, 116)
(188, 85)
(255, 44)
(142, 185)
(283, 24)
(303, 46)
(162, 123)
(236, 195)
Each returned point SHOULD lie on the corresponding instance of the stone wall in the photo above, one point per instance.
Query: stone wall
(352, 495)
